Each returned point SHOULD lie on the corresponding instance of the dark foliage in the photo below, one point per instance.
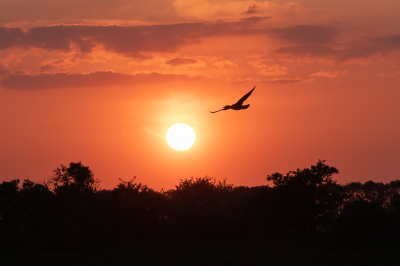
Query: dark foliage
(74, 180)
(305, 199)
(201, 208)
(362, 223)
(73, 214)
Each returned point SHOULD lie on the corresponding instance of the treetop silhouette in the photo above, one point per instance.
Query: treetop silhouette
(76, 213)
(75, 179)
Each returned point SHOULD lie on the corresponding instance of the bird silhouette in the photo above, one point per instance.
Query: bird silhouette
(239, 105)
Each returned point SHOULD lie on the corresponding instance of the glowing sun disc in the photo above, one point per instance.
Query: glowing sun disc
(180, 137)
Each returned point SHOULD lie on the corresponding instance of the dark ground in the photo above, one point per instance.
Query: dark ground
(247, 251)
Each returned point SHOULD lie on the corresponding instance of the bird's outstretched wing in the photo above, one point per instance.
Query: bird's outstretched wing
(216, 111)
(244, 98)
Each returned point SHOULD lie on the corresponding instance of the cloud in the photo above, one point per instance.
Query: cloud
(48, 10)
(329, 74)
(181, 61)
(240, 81)
(389, 75)
(253, 20)
(216, 9)
(311, 50)
(259, 7)
(363, 48)
(3, 71)
(274, 70)
(130, 41)
(253, 9)
(393, 40)
(51, 64)
(319, 42)
(224, 63)
(258, 63)
(254, 56)
(289, 5)
(281, 81)
(95, 79)
(143, 41)
(304, 34)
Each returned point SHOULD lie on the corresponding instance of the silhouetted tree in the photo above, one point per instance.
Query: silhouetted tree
(200, 207)
(12, 216)
(394, 206)
(74, 179)
(138, 209)
(258, 205)
(362, 223)
(76, 215)
(305, 198)
(353, 191)
(374, 192)
(40, 206)
(128, 213)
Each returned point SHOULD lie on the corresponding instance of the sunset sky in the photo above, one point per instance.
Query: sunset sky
(102, 81)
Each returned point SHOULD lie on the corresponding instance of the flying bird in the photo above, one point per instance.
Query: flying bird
(239, 105)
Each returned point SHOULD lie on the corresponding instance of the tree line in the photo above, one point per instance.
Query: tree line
(70, 210)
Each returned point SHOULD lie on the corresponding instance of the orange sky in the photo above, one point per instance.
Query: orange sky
(102, 81)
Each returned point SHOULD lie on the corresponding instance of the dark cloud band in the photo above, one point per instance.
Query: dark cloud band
(95, 79)
(130, 41)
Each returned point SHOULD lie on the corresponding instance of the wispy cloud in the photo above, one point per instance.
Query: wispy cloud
(96, 79)
(329, 74)
(181, 61)
(129, 41)
(281, 80)
(304, 34)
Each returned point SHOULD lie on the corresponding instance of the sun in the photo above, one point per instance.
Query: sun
(180, 137)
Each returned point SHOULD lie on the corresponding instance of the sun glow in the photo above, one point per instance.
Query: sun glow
(180, 137)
